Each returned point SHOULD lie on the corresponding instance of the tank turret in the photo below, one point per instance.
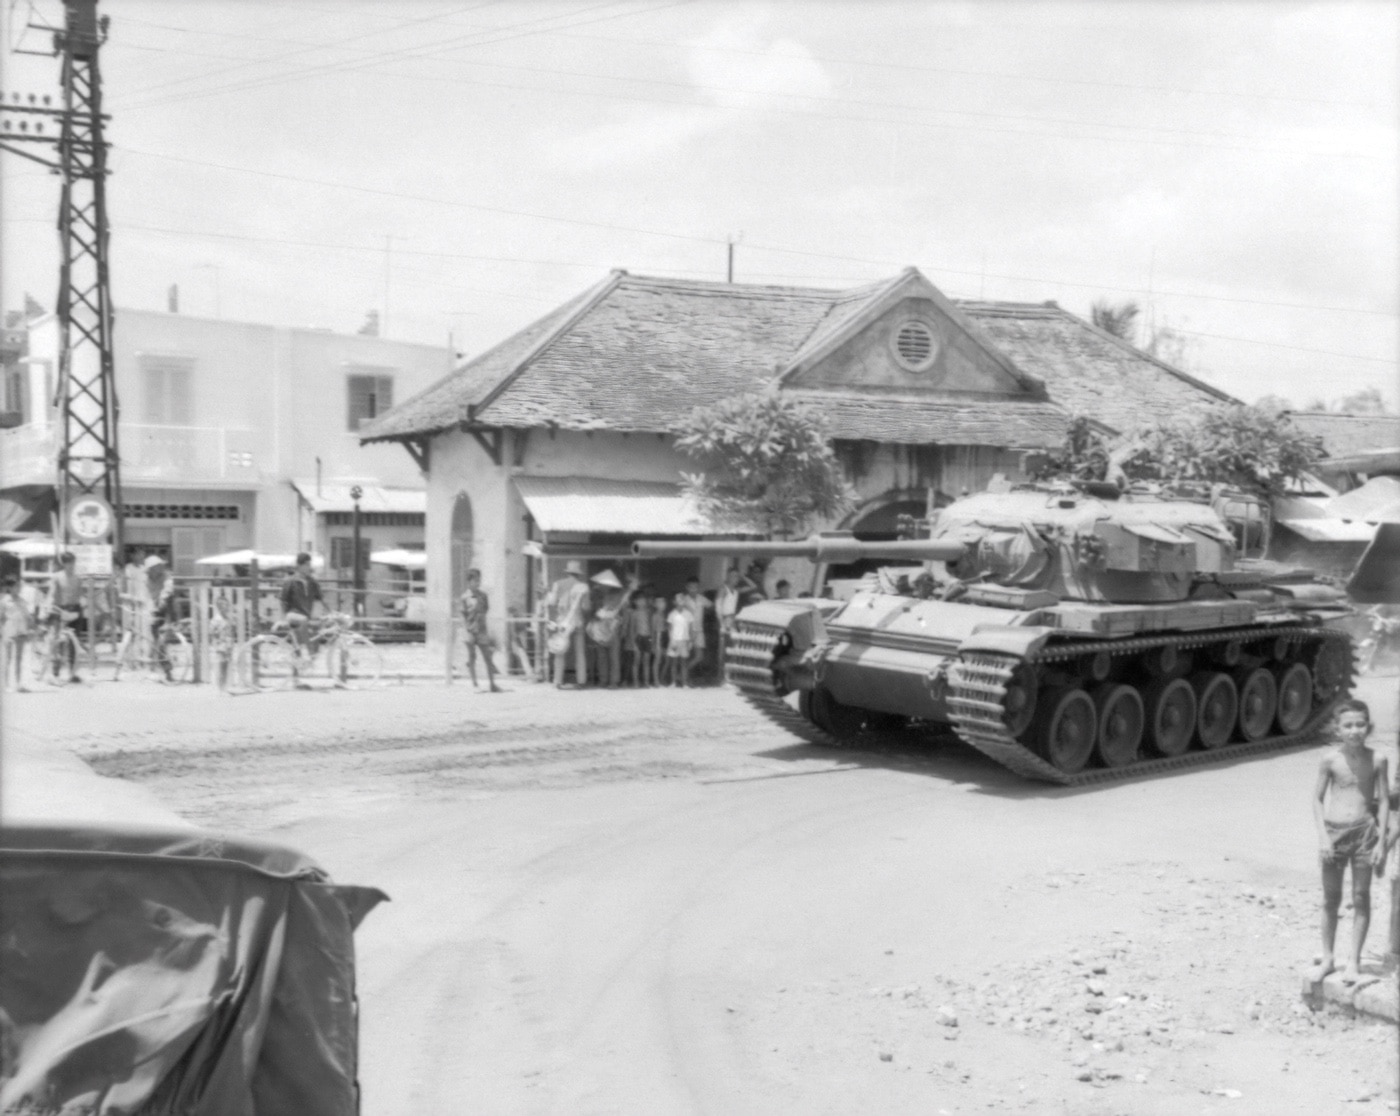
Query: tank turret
(1071, 633)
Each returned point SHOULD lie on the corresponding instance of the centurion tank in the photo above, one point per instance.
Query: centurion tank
(1073, 633)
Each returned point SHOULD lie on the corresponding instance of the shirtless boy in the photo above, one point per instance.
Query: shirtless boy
(1352, 786)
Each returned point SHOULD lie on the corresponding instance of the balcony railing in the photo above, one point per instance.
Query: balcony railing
(149, 453)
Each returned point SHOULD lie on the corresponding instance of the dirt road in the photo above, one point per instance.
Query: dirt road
(655, 903)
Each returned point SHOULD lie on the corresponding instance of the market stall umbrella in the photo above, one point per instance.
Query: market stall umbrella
(30, 548)
(407, 559)
(264, 561)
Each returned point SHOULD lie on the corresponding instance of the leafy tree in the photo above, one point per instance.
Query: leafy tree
(1247, 447)
(767, 464)
(1367, 401)
(1119, 320)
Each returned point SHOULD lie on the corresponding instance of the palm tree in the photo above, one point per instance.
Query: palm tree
(1118, 320)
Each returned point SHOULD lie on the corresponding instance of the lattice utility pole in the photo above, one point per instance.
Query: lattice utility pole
(68, 140)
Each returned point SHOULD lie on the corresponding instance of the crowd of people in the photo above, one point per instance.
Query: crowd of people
(143, 593)
(612, 629)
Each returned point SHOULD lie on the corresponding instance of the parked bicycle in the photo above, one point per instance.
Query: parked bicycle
(334, 650)
(168, 654)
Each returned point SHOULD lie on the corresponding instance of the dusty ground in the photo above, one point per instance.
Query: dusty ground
(656, 903)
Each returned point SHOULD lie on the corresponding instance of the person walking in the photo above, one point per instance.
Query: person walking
(474, 632)
(66, 608)
(697, 604)
(16, 626)
(566, 605)
(160, 591)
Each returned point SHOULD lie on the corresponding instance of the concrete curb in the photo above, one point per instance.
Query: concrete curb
(1377, 994)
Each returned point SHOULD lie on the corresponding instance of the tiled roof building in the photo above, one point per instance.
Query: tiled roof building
(555, 443)
(638, 354)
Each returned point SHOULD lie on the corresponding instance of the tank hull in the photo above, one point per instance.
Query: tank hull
(872, 662)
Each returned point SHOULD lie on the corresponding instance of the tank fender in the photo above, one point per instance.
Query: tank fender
(1002, 639)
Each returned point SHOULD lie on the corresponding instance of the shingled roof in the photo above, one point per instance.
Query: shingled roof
(638, 354)
(1086, 370)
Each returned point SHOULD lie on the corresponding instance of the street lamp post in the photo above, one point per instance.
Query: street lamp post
(357, 582)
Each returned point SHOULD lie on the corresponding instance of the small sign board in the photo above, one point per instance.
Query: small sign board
(90, 520)
(92, 559)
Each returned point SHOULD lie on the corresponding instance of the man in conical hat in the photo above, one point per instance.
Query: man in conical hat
(565, 605)
(605, 629)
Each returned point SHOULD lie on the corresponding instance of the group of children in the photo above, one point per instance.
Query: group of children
(659, 639)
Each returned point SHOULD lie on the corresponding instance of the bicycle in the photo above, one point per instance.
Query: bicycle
(55, 650)
(275, 661)
(168, 654)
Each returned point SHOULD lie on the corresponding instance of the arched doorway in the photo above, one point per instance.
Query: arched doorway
(878, 521)
(463, 544)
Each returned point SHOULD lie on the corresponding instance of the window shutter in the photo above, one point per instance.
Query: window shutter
(360, 397)
(153, 379)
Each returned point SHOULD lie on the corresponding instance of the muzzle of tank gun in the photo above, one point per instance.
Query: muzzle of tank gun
(818, 548)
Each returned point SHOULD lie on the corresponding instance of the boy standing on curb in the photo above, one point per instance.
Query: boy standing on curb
(1351, 806)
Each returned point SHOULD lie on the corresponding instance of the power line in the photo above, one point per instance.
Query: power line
(406, 53)
(370, 65)
(159, 229)
(430, 200)
(960, 72)
(304, 50)
(1283, 345)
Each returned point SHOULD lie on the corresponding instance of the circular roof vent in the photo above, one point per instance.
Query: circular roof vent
(915, 346)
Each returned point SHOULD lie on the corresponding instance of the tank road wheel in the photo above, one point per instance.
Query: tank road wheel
(1295, 692)
(1217, 707)
(1121, 721)
(1171, 716)
(1258, 702)
(1018, 704)
(1067, 729)
(840, 720)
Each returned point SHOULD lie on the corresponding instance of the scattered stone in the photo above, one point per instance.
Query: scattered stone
(947, 1017)
(1084, 1075)
(1100, 969)
(1079, 1059)
(1225, 1029)
(1095, 987)
(886, 1057)
(1229, 1094)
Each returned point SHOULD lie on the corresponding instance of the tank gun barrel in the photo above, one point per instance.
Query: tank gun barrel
(818, 548)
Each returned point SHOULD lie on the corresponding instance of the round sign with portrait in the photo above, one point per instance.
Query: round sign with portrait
(90, 519)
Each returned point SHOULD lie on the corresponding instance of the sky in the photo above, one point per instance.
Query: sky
(463, 168)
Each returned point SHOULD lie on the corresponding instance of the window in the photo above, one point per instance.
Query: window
(343, 552)
(369, 396)
(16, 388)
(167, 383)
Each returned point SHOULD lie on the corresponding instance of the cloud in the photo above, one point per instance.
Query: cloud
(740, 78)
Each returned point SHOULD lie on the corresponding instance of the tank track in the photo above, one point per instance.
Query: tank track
(749, 667)
(977, 684)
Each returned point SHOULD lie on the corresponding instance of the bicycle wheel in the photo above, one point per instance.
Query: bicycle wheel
(354, 660)
(40, 654)
(178, 656)
(266, 662)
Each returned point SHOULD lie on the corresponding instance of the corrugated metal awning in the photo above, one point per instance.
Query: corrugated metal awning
(595, 505)
(328, 497)
(1327, 529)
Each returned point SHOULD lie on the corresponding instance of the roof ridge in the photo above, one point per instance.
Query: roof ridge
(586, 302)
(719, 286)
(1219, 393)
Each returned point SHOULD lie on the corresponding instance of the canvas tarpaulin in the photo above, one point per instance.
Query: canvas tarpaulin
(173, 971)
